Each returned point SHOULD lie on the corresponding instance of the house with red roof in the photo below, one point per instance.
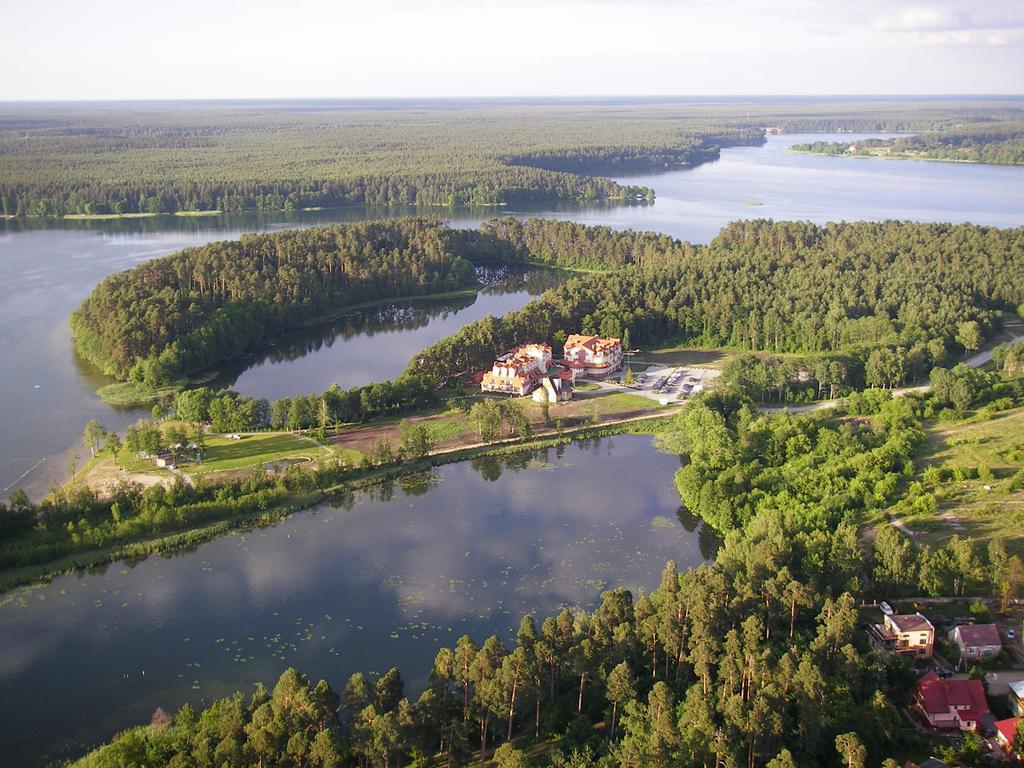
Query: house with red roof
(518, 371)
(952, 703)
(977, 642)
(591, 355)
(1006, 735)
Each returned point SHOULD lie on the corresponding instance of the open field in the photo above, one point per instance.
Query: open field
(255, 449)
(975, 498)
(682, 355)
(450, 430)
(453, 429)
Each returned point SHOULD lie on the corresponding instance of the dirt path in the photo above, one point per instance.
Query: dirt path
(105, 475)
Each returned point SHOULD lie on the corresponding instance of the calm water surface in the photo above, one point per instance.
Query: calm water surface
(373, 581)
(46, 394)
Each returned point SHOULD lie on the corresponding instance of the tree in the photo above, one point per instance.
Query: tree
(488, 694)
(507, 756)
(112, 443)
(416, 441)
(969, 336)
(359, 693)
(621, 690)
(782, 760)
(893, 558)
(851, 750)
(193, 405)
(93, 436)
(486, 415)
(390, 689)
(629, 379)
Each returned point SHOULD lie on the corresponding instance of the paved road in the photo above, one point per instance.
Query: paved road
(975, 361)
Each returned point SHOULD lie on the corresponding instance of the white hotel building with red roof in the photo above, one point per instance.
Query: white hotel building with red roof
(592, 356)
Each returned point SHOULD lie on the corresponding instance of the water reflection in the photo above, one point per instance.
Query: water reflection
(376, 343)
(366, 580)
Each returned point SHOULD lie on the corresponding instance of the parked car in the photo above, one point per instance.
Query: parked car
(1011, 634)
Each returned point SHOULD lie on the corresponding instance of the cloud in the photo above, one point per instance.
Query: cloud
(955, 23)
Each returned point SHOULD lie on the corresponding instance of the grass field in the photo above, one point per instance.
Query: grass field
(682, 355)
(129, 394)
(980, 504)
(223, 453)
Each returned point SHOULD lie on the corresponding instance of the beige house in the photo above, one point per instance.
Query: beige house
(592, 356)
(910, 634)
(518, 371)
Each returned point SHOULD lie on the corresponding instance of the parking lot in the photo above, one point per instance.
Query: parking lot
(674, 383)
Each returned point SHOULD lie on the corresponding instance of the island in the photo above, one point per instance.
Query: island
(983, 142)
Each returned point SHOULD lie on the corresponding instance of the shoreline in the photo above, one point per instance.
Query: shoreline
(848, 156)
(110, 393)
(26, 576)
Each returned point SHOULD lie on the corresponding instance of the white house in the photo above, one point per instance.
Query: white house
(977, 642)
(592, 356)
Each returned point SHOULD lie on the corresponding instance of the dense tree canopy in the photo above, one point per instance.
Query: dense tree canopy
(898, 290)
(189, 310)
(995, 143)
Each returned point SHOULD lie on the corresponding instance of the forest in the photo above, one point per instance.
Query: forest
(993, 143)
(159, 158)
(751, 660)
(867, 304)
(872, 303)
(185, 312)
(162, 159)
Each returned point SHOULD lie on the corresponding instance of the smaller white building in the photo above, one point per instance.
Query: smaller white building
(977, 642)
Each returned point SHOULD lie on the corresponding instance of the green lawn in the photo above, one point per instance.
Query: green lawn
(222, 453)
(450, 426)
(682, 355)
(618, 402)
(978, 507)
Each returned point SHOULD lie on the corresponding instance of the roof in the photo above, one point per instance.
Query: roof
(938, 696)
(1017, 686)
(1008, 729)
(593, 343)
(574, 364)
(972, 635)
(911, 622)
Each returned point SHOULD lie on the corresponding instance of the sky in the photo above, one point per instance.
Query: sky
(202, 49)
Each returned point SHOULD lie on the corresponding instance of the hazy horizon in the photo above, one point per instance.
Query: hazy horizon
(399, 49)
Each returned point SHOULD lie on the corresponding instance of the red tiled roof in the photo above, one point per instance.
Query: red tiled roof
(593, 343)
(932, 693)
(1008, 729)
(973, 635)
(938, 696)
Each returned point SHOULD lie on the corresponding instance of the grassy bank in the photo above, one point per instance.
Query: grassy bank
(974, 469)
(133, 394)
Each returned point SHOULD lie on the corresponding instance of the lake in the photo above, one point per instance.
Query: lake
(47, 394)
(382, 577)
(373, 580)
